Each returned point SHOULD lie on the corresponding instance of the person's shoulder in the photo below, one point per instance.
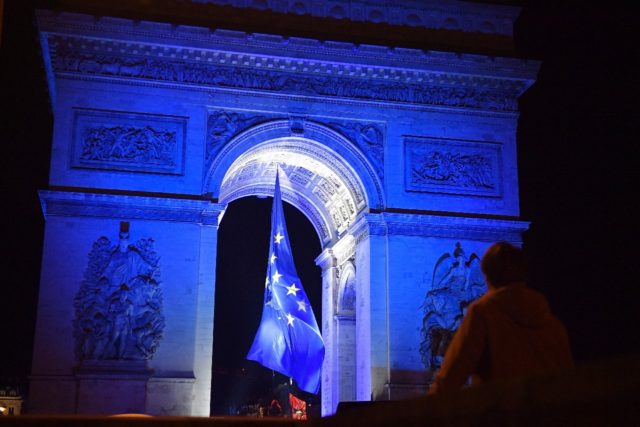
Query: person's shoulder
(480, 304)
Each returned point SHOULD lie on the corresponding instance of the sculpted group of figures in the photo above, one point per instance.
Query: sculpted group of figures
(119, 304)
(129, 144)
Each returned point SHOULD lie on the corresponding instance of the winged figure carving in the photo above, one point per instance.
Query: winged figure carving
(457, 281)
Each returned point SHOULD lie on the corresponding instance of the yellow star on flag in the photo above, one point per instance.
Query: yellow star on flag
(278, 237)
(290, 319)
(276, 276)
(291, 290)
(302, 306)
(273, 258)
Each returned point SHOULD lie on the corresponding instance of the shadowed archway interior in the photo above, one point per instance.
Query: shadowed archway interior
(243, 244)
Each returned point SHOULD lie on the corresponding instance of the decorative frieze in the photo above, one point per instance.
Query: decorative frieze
(369, 89)
(128, 142)
(74, 55)
(438, 165)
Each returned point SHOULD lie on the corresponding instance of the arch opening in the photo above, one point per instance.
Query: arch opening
(333, 184)
(243, 248)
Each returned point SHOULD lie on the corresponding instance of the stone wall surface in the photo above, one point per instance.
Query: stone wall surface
(175, 361)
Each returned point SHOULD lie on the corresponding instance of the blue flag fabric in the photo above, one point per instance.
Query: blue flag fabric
(288, 339)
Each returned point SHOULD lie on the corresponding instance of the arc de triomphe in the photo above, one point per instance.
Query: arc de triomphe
(400, 158)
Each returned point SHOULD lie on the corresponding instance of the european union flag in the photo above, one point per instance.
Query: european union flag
(288, 339)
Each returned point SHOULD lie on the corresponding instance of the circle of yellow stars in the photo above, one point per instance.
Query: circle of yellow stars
(291, 290)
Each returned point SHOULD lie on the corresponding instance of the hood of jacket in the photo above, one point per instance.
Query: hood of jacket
(525, 306)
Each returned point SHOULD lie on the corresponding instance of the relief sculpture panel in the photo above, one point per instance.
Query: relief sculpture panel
(453, 166)
(119, 305)
(368, 137)
(128, 142)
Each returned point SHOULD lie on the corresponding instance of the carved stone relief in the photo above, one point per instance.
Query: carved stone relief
(457, 281)
(453, 166)
(128, 142)
(119, 305)
(368, 137)
(76, 56)
(346, 296)
(224, 125)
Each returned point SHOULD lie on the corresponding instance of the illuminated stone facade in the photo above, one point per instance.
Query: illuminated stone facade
(396, 156)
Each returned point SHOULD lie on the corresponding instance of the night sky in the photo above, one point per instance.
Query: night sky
(578, 187)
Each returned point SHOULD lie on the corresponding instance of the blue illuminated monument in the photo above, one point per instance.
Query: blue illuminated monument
(288, 338)
(403, 160)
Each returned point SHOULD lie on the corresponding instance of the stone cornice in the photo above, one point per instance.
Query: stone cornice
(326, 259)
(483, 18)
(75, 204)
(447, 227)
(344, 248)
(110, 47)
(193, 42)
(453, 227)
(368, 224)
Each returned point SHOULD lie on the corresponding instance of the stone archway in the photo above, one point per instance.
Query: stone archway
(206, 114)
(334, 185)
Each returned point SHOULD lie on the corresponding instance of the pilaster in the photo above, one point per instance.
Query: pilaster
(372, 349)
(205, 312)
(327, 262)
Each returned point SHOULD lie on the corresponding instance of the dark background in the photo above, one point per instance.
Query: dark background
(578, 176)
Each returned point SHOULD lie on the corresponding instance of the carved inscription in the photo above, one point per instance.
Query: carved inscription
(129, 142)
(453, 166)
